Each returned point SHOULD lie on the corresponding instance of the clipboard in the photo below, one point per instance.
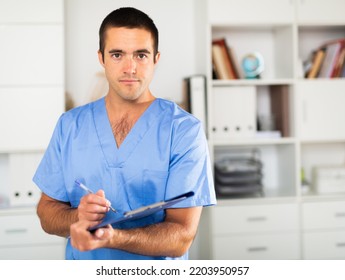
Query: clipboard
(115, 218)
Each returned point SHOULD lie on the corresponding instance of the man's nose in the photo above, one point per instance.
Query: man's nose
(130, 65)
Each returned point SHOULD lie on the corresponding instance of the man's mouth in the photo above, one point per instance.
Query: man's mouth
(129, 81)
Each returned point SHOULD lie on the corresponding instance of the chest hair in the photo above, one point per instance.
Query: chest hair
(121, 128)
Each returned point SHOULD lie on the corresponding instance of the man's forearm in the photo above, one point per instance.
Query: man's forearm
(56, 217)
(163, 239)
(171, 238)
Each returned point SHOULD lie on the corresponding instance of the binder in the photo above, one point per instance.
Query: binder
(235, 113)
(21, 190)
(194, 96)
(116, 218)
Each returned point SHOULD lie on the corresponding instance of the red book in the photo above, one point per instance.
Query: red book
(339, 63)
(230, 66)
(333, 52)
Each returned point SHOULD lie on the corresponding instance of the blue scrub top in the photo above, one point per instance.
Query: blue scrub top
(164, 155)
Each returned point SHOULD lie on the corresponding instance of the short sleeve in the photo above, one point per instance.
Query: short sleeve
(190, 167)
(49, 176)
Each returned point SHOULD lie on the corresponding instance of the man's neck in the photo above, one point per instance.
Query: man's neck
(118, 107)
(123, 116)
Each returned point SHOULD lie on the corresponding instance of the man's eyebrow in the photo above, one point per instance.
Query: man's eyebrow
(116, 51)
(137, 51)
(143, 51)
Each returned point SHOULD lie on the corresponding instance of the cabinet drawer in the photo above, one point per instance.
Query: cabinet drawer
(323, 215)
(324, 245)
(24, 230)
(43, 252)
(270, 246)
(260, 218)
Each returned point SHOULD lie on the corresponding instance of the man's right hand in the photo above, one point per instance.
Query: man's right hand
(93, 207)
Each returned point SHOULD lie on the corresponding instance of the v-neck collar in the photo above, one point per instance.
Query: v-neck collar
(116, 156)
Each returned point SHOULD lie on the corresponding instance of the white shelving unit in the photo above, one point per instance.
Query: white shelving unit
(31, 100)
(284, 222)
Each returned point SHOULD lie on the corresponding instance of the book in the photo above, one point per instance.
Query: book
(318, 58)
(194, 97)
(342, 71)
(340, 63)
(235, 63)
(218, 61)
(228, 62)
(279, 95)
(333, 49)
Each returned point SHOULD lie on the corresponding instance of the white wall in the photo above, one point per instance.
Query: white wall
(177, 22)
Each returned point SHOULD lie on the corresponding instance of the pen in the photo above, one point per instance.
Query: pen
(85, 188)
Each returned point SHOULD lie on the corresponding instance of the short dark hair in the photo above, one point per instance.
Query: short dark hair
(130, 18)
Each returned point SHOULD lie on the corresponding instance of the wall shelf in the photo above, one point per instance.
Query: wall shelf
(314, 130)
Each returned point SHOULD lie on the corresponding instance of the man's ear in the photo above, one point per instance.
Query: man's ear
(157, 57)
(100, 58)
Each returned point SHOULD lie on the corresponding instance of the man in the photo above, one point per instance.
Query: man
(130, 148)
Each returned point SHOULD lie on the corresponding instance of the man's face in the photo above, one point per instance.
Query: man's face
(129, 62)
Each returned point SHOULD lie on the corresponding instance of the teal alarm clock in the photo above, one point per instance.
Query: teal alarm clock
(253, 65)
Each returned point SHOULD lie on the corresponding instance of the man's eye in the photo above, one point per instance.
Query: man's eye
(141, 56)
(116, 55)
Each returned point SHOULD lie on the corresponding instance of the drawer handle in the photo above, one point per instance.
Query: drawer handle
(340, 215)
(257, 219)
(341, 244)
(16, 230)
(257, 249)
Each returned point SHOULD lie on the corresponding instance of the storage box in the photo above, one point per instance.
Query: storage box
(329, 179)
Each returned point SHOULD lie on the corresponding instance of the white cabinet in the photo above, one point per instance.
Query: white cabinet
(320, 12)
(22, 238)
(251, 11)
(320, 110)
(304, 119)
(255, 218)
(324, 230)
(29, 127)
(254, 232)
(283, 246)
(237, 107)
(32, 11)
(323, 215)
(31, 101)
(324, 245)
(40, 63)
